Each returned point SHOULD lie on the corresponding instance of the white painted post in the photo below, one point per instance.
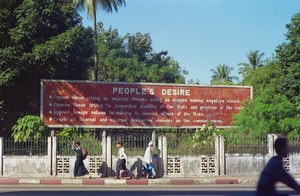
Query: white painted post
(54, 155)
(49, 155)
(160, 155)
(153, 138)
(160, 147)
(109, 159)
(271, 141)
(217, 154)
(104, 154)
(222, 155)
(165, 156)
(1, 155)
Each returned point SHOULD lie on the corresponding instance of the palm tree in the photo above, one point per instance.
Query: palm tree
(222, 75)
(255, 61)
(92, 6)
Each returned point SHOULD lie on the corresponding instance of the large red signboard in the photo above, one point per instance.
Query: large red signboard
(138, 105)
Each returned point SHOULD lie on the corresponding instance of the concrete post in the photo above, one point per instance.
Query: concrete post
(160, 172)
(108, 154)
(54, 155)
(160, 147)
(222, 155)
(104, 154)
(50, 155)
(165, 156)
(217, 154)
(271, 141)
(1, 155)
(153, 139)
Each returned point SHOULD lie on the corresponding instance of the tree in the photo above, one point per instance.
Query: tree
(131, 58)
(30, 127)
(264, 77)
(222, 75)
(267, 113)
(44, 40)
(92, 6)
(255, 61)
(289, 59)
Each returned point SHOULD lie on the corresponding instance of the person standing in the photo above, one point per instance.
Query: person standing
(148, 160)
(79, 169)
(274, 172)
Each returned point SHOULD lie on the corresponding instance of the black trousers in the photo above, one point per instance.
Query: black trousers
(80, 169)
(120, 165)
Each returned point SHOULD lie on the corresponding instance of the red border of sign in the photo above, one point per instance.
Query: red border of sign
(132, 83)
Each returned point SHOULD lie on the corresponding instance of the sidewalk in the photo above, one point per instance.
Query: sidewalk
(126, 181)
(141, 181)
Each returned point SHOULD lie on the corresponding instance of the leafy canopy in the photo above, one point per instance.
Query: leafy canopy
(30, 127)
(267, 113)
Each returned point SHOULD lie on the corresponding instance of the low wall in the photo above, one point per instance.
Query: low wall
(245, 164)
(192, 166)
(29, 166)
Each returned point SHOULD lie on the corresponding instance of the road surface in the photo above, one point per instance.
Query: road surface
(79, 190)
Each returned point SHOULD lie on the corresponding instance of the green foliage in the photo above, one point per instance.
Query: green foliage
(204, 137)
(254, 61)
(131, 59)
(94, 146)
(289, 59)
(267, 113)
(38, 40)
(29, 127)
(265, 76)
(202, 141)
(222, 75)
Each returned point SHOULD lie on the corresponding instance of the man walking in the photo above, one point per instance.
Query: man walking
(121, 163)
(148, 160)
(79, 169)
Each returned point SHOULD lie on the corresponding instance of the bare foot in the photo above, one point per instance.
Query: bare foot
(73, 178)
(89, 176)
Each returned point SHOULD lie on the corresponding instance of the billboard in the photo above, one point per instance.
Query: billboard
(138, 105)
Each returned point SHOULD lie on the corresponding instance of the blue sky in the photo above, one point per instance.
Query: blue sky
(201, 34)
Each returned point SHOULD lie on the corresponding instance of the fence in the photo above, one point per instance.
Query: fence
(252, 145)
(294, 144)
(134, 145)
(31, 147)
(94, 146)
(181, 143)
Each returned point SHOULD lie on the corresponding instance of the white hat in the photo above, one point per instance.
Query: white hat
(150, 143)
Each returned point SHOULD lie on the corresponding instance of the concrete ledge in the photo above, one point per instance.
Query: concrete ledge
(93, 181)
(182, 182)
(50, 181)
(204, 181)
(159, 182)
(227, 181)
(137, 182)
(115, 182)
(9, 181)
(71, 181)
(29, 181)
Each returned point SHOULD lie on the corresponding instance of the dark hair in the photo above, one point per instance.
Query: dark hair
(280, 143)
(121, 143)
(77, 142)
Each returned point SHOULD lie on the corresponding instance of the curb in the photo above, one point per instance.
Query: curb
(127, 182)
(227, 181)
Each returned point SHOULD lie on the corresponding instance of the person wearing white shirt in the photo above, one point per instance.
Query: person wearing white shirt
(148, 160)
(121, 163)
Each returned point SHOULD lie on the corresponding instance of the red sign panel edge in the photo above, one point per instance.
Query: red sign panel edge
(132, 83)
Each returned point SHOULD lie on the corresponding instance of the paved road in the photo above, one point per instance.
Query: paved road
(53, 190)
